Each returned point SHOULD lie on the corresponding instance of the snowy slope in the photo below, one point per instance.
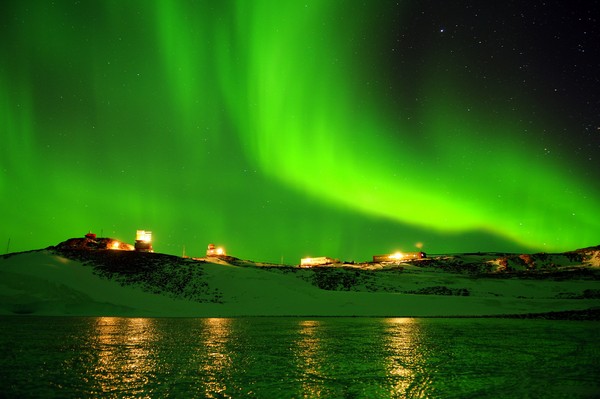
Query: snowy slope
(121, 283)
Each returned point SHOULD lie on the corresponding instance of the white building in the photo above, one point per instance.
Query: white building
(143, 241)
(318, 261)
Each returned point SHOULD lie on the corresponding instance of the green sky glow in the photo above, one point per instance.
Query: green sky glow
(277, 130)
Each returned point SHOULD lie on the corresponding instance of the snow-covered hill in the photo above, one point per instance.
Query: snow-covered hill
(64, 281)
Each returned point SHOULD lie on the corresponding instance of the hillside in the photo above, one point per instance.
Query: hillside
(67, 281)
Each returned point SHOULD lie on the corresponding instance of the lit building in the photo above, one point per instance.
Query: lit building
(143, 235)
(318, 261)
(399, 257)
(118, 245)
(212, 250)
(143, 241)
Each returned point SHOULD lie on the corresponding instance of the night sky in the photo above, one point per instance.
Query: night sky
(301, 128)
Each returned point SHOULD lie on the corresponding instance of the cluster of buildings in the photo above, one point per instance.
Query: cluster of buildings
(396, 257)
(143, 243)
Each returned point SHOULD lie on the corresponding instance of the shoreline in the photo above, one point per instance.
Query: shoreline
(591, 314)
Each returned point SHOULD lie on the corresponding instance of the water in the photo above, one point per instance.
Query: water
(298, 358)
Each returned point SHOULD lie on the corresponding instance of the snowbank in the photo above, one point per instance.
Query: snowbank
(47, 283)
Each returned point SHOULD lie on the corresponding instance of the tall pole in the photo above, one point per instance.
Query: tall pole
(8, 245)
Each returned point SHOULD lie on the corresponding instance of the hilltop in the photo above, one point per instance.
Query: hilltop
(64, 280)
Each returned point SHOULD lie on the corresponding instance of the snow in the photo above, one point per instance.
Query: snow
(45, 283)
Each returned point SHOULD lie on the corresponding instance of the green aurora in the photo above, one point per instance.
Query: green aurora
(278, 131)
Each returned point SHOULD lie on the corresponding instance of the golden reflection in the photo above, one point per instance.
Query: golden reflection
(215, 338)
(309, 359)
(125, 354)
(405, 358)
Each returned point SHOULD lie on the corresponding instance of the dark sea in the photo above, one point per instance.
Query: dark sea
(111, 357)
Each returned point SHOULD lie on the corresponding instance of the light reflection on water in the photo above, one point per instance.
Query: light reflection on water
(297, 358)
(125, 354)
(404, 358)
(214, 358)
(307, 357)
